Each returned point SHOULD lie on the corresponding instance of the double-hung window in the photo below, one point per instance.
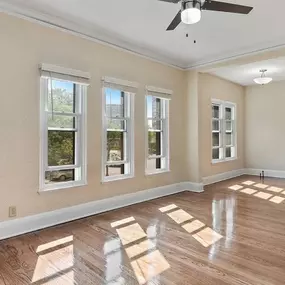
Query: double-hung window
(157, 122)
(223, 131)
(118, 133)
(63, 120)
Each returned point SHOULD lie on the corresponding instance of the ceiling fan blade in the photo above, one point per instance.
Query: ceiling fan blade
(226, 7)
(175, 22)
(170, 1)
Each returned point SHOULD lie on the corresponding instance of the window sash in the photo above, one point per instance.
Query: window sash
(164, 144)
(79, 166)
(224, 132)
(127, 135)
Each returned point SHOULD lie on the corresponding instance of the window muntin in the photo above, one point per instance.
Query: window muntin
(62, 131)
(117, 134)
(157, 134)
(223, 131)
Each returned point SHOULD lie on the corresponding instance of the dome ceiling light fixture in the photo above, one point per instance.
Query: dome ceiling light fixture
(263, 79)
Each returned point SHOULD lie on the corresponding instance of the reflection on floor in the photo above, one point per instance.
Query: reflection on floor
(146, 260)
(260, 194)
(179, 245)
(205, 236)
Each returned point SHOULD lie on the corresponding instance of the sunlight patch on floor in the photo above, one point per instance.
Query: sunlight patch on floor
(207, 237)
(146, 260)
(53, 244)
(193, 226)
(168, 208)
(248, 191)
(122, 222)
(235, 187)
(263, 195)
(55, 264)
(180, 216)
(274, 189)
(261, 185)
(277, 199)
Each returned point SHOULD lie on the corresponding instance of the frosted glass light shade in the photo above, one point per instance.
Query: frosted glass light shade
(263, 80)
(191, 15)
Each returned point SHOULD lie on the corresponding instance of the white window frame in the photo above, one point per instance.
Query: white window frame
(49, 72)
(129, 88)
(222, 106)
(164, 95)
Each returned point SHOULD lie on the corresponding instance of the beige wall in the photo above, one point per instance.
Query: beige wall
(211, 87)
(24, 45)
(264, 131)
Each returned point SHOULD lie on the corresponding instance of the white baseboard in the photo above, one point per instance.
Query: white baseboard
(267, 172)
(32, 223)
(223, 176)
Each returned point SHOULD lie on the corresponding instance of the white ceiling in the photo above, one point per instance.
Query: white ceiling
(139, 25)
(244, 74)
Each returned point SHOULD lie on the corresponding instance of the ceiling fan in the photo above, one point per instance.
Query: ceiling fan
(190, 12)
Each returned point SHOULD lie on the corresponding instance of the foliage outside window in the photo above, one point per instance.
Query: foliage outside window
(157, 134)
(117, 134)
(62, 134)
(223, 131)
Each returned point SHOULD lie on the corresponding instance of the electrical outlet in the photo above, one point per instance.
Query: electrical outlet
(12, 211)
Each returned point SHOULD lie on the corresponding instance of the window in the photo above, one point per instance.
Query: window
(157, 112)
(62, 131)
(117, 131)
(223, 131)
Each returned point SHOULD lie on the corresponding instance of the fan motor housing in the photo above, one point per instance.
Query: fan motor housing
(191, 4)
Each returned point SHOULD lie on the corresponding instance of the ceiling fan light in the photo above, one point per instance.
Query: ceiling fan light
(191, 16)
(262, 80)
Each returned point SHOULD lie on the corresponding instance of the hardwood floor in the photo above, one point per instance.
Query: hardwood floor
(233, 233)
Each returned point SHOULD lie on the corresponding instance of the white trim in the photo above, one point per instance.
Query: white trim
(122, 82)
(152, 89)
(267, 172)
(65, 71)
(111, 40)
(223, 176)
(32, 223)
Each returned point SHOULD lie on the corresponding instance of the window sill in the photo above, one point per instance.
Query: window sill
(116, 178)
(224, 160)
(62, 186)
(157, 172)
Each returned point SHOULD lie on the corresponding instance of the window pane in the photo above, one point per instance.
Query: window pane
(155, 124)
(114, 124)
(61, 147)
(216, 139)
(154, 107)
(115, 146)
(216, 111)
(215, 153)
(153, 164)
(229, 139)
(228, 115)
(55, 121)
(154, 143)
(115, 103)
(216, 125)
(59, 176)
(113, 170)
(229, 126)
(228, 152)
(62, 98)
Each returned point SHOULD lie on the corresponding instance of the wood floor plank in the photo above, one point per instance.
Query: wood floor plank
(249, 247)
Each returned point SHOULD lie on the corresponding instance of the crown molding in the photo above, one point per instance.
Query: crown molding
(101, 36)
(87, 32)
